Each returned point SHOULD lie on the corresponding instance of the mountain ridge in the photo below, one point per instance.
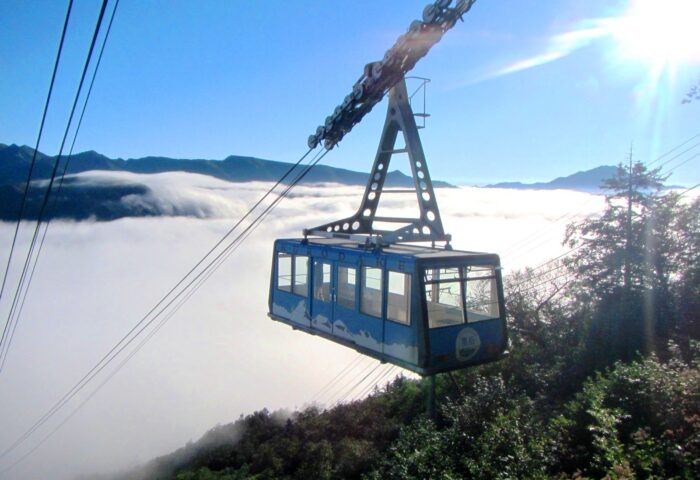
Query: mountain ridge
(583, 180)
(15, 161)
(81, 200)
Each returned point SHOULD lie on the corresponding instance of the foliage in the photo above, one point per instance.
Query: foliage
(642, 416)
(637, 265)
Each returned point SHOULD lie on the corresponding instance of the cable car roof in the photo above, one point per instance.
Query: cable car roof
(403, 249)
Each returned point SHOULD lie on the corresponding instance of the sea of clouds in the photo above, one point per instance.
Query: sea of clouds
(220, 356)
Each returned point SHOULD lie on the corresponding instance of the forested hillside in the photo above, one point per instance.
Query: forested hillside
(602, 379)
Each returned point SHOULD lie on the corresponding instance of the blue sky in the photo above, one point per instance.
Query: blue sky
(209, 79)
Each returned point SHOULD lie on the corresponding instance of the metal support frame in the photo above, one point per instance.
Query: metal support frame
(430, 409)
(428, 227)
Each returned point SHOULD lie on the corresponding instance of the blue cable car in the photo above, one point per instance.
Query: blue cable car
(429, 310)
(364, 283)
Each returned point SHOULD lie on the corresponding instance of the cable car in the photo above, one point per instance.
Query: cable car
(364, 284)
(429, 310)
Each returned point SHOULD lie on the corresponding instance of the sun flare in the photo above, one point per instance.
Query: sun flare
(663, 33)
(663, 36)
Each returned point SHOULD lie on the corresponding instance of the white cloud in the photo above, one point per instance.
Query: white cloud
(220, 356)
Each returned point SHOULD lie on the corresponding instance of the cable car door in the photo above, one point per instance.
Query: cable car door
(322, 296)
(346, 301)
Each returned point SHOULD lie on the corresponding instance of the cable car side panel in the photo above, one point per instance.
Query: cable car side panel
(348, 299)
(427, 310)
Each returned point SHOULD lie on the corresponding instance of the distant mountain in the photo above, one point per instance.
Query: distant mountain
(587, 181)
(15, 161)
(80, 200)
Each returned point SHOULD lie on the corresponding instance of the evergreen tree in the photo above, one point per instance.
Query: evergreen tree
(687, 284)
(612, 249)
(616, 263)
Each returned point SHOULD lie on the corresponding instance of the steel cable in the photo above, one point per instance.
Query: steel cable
(3, 342)
(34, 154)
(54, 201)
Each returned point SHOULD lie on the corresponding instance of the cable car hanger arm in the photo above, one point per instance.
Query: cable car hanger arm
(361, 226)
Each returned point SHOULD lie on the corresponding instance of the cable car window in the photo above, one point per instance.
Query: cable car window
(398, 303)
(322, 281)
(481, 294)
(284, 271)
(347, 279)
(371, 295)
(443, 297)
(301, 273)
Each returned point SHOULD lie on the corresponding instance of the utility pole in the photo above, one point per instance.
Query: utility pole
(628, 236)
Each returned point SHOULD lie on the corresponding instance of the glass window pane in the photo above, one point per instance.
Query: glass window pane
(284, 272)
(352, 276)
(371, 296)
(447, 274)
(322, 281)
(482, 299)
(450, 294)
(398, 303)
(301, 273)
(444, 297)
(346, 286)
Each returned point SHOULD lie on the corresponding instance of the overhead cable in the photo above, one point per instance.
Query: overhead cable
(4, 343)
(20, 213)
(54, 199)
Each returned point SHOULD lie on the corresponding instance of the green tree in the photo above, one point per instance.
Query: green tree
(617, 264)
(687, 285)
(611, 249)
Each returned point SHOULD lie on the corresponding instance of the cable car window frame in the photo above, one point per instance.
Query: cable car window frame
(303, 291)
(433, 275)
(493, 302)
(406, 301)
(431, 279)
(323, 291)
(295, 287)
(365, 296)
(344, 287)
(287, 277)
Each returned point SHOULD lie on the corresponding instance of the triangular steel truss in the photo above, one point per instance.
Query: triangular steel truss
(428, 227)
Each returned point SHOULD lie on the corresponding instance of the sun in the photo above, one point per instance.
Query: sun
(663, 33)
(662, 36)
